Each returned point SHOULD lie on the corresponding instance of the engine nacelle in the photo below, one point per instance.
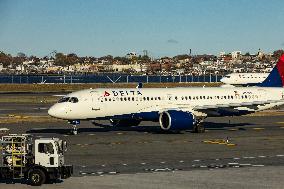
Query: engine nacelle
(176, 120)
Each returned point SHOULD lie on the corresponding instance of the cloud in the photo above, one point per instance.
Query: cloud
(172, 41)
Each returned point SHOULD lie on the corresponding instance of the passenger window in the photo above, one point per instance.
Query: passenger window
(46, 148)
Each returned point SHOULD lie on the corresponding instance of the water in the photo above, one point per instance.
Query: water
(106, 78)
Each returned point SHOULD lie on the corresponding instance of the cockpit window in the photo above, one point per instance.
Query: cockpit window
(227, 76)
(73, 99)
(64, 99)
(68, 99)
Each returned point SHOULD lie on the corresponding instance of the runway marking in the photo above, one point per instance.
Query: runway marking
(236, 158)
(232, 129)
(245, 164)
(231, 144)
(280, 155)
(281, 127)
(113, 172)
(103, 165)
(196, 160)
(143, 163)
(92, 134)
(258, 128)
(262, 156)
(163, 162)
(234, 163)
(219, 141)
(119, 133)
(248, 157)
(181, 161)
(258, 165)
(124, 164)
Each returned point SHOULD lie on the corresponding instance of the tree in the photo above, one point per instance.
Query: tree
(278, 53)
(60, 59)
(5, 59)
(21, 55)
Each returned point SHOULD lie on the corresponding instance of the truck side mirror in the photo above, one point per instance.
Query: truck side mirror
(64, 146)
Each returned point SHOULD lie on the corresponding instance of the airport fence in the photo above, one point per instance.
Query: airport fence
(109, 78)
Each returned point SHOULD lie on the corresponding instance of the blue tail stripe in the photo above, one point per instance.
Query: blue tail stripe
(273, 79)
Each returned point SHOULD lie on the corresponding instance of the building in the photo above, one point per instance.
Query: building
(236, 55)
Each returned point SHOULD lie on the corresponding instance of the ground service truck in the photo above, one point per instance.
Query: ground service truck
(36, 160)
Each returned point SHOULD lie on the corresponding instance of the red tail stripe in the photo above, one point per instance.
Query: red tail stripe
(280, 68)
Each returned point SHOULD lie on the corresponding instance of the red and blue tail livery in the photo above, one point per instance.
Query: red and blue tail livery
(276, 77)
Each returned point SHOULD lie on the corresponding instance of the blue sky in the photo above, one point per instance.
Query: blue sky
(163, 27)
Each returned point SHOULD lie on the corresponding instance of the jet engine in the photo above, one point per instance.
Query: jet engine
(176, 120)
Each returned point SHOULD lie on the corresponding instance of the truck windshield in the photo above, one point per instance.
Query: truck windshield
(59, 148)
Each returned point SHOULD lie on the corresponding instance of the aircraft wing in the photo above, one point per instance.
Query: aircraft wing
(216, 109)
(234, 108)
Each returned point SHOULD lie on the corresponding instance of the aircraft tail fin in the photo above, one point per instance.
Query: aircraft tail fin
(276, 76)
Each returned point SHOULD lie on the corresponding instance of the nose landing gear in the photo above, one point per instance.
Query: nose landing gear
(74, 123)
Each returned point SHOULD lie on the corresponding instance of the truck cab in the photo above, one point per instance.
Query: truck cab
(37, 160)
(49, 152)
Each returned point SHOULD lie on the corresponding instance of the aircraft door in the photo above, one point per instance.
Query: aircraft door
(96, 101)
(169, 98)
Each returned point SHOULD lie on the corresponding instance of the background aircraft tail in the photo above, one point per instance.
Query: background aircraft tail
(276, 76)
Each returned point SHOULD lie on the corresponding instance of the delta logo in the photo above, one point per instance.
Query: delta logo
(122, 93)
(106, 94)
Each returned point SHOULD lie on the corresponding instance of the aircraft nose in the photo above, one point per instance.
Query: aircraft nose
(52, 111)
(56, 111)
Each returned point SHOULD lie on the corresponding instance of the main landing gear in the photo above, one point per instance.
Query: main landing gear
(199, 126)
(74, 123)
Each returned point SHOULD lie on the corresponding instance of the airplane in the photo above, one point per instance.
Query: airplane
(244, 79)
(175, 109)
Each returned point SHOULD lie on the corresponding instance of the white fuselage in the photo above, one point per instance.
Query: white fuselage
(244, 78)
(100, 103)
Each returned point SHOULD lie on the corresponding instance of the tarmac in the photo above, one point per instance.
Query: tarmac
(234, 152)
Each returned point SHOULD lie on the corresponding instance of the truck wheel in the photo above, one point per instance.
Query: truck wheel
(37, 177)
